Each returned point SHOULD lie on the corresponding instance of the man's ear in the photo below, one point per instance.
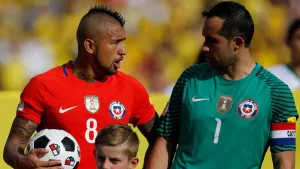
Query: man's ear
(133, 163)
(89, 46)
(237, 43)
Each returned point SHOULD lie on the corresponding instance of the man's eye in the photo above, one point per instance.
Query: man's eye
(114, 161)
(116, 42)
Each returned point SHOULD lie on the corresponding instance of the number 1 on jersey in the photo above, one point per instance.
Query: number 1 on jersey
(91, 126)
(217, 132)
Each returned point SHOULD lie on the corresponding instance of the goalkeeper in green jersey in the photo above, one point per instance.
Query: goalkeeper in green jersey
(225, 114)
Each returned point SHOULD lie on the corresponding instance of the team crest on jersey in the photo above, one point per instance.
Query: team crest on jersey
(92, 103)
(224, 104)
(117, 110)
(247, 109)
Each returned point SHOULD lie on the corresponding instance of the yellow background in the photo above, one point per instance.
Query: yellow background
(9, 102)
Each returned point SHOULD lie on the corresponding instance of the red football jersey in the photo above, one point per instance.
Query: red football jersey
(57, 99)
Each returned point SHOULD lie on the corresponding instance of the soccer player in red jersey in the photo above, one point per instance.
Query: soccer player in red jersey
(82, 96)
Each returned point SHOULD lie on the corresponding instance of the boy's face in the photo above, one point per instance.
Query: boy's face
(108, 157)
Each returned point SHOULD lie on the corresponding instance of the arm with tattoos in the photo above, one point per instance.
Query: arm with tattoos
(29, 112)
(20, 133)
(18, 138)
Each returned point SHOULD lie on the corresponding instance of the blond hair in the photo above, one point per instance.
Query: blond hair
(117, 135)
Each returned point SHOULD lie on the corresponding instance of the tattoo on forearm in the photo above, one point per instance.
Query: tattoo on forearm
(18, 138)
(22, 129)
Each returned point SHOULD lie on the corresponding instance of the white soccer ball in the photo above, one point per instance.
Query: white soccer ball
(61, 145)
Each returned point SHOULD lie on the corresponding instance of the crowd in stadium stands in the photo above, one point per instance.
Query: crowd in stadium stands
(163, 36)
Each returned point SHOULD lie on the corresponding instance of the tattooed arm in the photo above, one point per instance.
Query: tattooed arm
(18, 138)
(149, 131)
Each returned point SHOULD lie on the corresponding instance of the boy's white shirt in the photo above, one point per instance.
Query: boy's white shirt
(286, 75)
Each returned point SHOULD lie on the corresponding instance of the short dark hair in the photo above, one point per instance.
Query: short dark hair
(97, 10)
(292, 29)
(105, 10)
(119, 134)
(237, 20)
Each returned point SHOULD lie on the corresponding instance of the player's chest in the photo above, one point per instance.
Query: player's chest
(240, 104)
(75, 107)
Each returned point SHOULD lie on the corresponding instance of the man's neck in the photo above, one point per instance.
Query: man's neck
(83, 70)
(242, 67)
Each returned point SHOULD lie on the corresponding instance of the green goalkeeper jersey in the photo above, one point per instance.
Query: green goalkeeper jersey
(225, 124)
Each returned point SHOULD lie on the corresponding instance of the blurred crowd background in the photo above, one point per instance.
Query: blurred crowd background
(163, 36)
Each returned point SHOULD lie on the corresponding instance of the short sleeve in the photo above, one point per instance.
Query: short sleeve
(31, 105)
(284, 117)
(169, 123)
(143, 110)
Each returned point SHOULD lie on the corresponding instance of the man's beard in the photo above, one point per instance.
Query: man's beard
(108, 71)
